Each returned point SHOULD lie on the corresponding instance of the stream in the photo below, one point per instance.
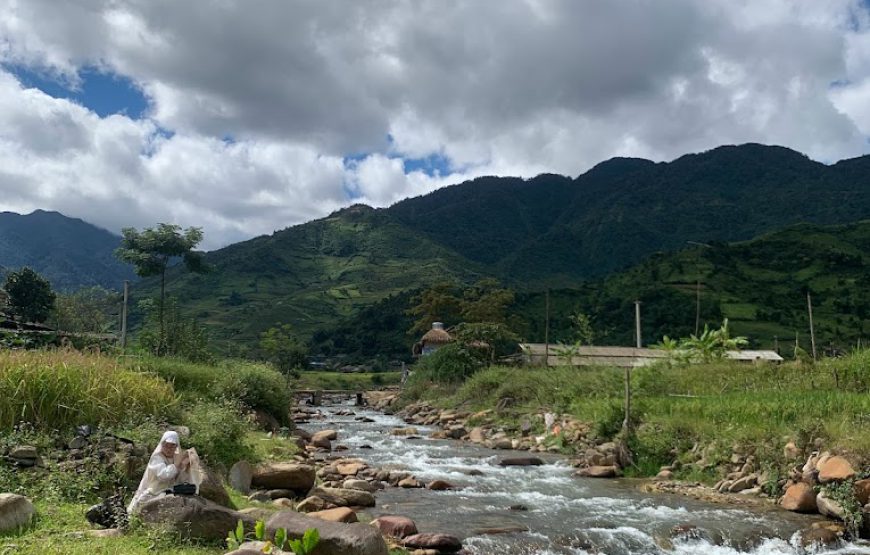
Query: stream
(565, 514)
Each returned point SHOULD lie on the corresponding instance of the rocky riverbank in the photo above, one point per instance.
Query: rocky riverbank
(811, 480)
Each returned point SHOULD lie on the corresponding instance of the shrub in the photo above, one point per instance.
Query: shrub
(59, 389)
(451, 363)
(217, 431)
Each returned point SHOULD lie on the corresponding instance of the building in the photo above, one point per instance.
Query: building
(535, 354)
(432, 340)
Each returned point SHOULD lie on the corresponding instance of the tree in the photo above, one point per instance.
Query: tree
(90, 310)
(168, 333)
(283, 349)
(150, 252)
(439, 303)
(486, 301)
(30, 295)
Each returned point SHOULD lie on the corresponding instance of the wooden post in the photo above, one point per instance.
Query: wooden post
(124, 315)
(698, 306)
(626, 422)
(812, 331)
(547, 329)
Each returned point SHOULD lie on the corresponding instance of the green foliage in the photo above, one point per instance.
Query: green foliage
(709, 346)
(252, 385)
(439, 303)
(483, 302)
(30, 296)
(59, 389)
(174, 335)
(451, 363)
(302, 546)
(844, 494)
(489, 339)
(150, 252)
(284, 349)
(218, 432)
(307, 544)
(89, 310)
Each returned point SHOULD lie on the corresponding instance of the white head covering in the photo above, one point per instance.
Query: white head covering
(168, 437)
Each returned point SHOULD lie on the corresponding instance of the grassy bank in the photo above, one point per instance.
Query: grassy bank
(355, 381)
(48, 393)
(677, 407)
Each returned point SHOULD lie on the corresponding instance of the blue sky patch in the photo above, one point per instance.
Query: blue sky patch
(99, 91)
(432, 165)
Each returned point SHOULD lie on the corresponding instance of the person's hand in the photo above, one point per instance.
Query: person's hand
(185, 461)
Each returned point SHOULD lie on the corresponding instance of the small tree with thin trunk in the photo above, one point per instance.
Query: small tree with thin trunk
(151, 250)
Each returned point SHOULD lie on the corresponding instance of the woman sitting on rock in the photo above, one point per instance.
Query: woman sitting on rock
(168, 466)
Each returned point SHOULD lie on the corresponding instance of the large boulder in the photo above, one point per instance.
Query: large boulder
(834, 469)
(610, 471)
(336, 538)
(212, 488)
(799, 498)
(329, 435)
(442, 543)
(338, 514)
(241, 475)
(830, 507)
(313, 503)
(284, 475)
(862, 491)
(345, 497)
(16, 511)
(395, 526)
(192, 517)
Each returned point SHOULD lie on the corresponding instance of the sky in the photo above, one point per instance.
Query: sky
(246, 117)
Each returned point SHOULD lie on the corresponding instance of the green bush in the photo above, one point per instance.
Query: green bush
(217, 431)
(452, 363)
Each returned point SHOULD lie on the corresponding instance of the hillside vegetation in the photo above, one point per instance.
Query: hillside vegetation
(547, 231)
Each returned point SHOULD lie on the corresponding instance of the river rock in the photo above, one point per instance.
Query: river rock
(477, 435)
(313, 503)
(441, 543)
(799, 498)
(359, 484)
(599, 472)
(791, 451)
(331, 435)
(240, 477)
(862, 491)
(830, 507)
(16, 511)
(281, 475)
(409, 483)
(664, 476)
(335, 538)
(25, 456)
(818, 538)
(345, 497)
(521, 461)
(439, 485)
(257, 548)
(834, 469)
(338, 514)
(395, 526)
(404, 431)
(321, 443)
(741, 484)
(191, 517)
(503, 443)
(350, 468)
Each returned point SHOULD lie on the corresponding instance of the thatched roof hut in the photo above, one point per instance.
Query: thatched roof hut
(432, 340)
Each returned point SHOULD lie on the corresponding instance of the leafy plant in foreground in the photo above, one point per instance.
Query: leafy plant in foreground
(303, 546)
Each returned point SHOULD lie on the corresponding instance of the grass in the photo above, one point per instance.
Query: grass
(337, 380)
(675, 407)
(59, 528)
(58, 389)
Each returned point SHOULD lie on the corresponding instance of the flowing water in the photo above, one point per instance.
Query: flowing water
(566, 514)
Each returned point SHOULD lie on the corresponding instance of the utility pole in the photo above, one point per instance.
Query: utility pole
(626, 423)
(124, 315)
(698, 284)
(812, 331)
(547, 329)
(637, 323)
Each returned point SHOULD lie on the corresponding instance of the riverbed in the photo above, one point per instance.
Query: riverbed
(545, 510)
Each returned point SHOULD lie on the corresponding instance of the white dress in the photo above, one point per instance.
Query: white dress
(160, 475)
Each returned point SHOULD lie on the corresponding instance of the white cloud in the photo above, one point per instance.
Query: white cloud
(504, 88)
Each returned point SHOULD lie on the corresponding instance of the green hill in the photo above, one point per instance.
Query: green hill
(550, 231)
(69, 252)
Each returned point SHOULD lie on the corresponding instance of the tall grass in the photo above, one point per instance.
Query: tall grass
(681, 405)
(58, 389)
(253, 385)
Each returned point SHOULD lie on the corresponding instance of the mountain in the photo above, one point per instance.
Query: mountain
(69, 252)
(759, 285)
(549, 231)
